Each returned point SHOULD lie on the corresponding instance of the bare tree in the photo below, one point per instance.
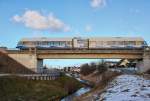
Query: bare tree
(87, 69)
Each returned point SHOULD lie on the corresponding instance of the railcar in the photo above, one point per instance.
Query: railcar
(45, 43)
(81, 43)
(117, 42)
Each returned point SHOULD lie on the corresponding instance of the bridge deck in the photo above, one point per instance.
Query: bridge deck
(83, 53)
(103, 50)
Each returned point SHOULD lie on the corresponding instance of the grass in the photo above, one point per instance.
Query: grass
(20, 89)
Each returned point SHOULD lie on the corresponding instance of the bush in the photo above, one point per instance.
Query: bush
(102, 67)
(87, 69)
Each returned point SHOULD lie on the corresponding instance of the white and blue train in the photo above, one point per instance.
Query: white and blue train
(81, 43)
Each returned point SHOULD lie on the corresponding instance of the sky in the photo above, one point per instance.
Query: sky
(60, 63)
(71, 18)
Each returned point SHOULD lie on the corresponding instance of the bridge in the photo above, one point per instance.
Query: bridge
(33, 58)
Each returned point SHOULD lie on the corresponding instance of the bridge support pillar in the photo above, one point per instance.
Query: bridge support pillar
(39, 65)
(144, 65)
(30, 61)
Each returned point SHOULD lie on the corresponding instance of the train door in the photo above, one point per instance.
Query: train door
(80, 43)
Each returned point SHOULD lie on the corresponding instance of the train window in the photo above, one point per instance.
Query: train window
(50, 43)
(57, 43)
(38, 43)
(99, 43)
(24, 42)
(43, 43)
(54, 43)
(60, 43)
(120, 43)
(111, 42)
(46, 42)
(29, 43)
(139, 42)
(20, 43)
(130, 43)
(33, 43)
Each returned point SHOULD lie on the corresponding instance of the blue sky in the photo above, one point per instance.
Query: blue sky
(60, 63)
(56, 63)
(69, 18)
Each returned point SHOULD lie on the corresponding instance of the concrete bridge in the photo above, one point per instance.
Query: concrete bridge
(34, 58)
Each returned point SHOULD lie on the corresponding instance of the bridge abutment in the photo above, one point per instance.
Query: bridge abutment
(146, 59)
(144, 65)
(30, 61)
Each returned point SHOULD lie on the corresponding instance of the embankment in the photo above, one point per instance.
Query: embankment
(20, 89)
(100, 81)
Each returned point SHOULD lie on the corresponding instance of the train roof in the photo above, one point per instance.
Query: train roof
(46, 39)
(116, 39)
(91, 39)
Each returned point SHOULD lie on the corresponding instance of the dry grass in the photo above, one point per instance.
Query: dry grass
(99, 87)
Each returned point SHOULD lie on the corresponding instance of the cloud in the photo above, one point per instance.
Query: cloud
(88, 28)
(98, 3)
(35, 20)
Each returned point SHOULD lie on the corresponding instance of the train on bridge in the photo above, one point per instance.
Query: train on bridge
(81, 43)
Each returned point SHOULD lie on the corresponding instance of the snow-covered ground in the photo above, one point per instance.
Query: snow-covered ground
(127, 88)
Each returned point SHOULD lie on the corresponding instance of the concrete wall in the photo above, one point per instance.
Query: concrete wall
(39, 65)
(28, 60)
(139, 66)
(144, 65)
(146, 60)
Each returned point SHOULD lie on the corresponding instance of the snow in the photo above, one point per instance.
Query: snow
(127, 88)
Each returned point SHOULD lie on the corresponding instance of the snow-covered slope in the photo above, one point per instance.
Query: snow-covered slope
(127, 88)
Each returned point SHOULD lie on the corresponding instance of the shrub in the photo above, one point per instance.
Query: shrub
(102, 67)
(87, 69)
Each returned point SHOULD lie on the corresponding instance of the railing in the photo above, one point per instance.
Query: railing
(40, 74)
(33, 76)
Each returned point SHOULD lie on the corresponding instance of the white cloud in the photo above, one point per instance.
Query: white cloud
(88, 28)
(34, 19)
(98, 3)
